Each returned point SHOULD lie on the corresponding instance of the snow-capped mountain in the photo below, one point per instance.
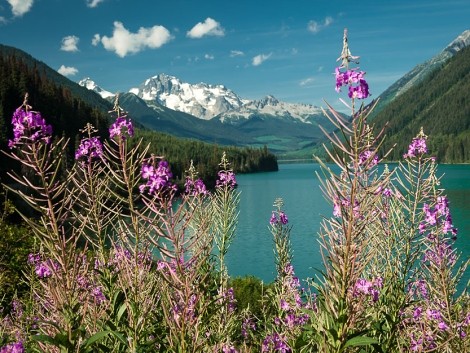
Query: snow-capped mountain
(206, 101)
(270, 106)
(202, 100)
(92, 86)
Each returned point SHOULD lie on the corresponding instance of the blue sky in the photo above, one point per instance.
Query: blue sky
(287, 48)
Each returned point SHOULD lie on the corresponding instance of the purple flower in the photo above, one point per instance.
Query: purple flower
(275, 343)
(273, 220)
(247, 324)
(158, 179)
(417, 312)
(442, 326)
(370, 156)
(98, 295)
(337, 209)
(365, 287)
(283, 218)
(418, 287)
(354, 79)
(417, 147)
(284, 305)
(195, 187)
(90, 148)
(16, 347)
(121, 127)
(30, 125)
(226, 178)
(229, 349)
(433, 314)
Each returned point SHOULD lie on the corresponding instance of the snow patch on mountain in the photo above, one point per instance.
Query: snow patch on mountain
(270, 106)
(202, 100)
(92, 86)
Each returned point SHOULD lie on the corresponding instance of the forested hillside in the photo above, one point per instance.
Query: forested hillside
(441, 105)
(206, 157)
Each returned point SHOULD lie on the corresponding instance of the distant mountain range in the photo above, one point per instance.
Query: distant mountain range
(217, 114)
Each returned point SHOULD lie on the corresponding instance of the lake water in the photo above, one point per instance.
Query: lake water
(251, 252)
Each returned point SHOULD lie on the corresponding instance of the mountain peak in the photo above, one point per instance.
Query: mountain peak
(92, 86)
(202, 100)
(459, 43)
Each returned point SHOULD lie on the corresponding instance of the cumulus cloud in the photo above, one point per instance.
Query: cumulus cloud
(96, 39)
(67, 70)
(20, 7)
(209, 27)
(209, 56)
(234, 53)
(315, 27)
(259, 59)
(124, 42)
(69, 43)
(93, 3)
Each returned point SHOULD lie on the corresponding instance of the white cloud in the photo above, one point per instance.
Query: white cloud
(93, 3)
(328, 21)
(259, 59)
(315, 27)
(96, 40)
(20, 7)
(70, 43)
(209, 56)
(209, 27)
(67, 70)
(234, 53)
(306, 81)
(124, 42)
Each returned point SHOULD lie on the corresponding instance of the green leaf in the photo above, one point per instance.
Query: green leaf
(96, 337)
(121, 311)
(360, 341)
(44, 339)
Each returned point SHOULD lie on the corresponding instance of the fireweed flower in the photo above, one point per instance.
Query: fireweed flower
(275, 343)
(16, 347)
(439, 254)
(226, 178)
(29, 124)
(43, 269)
(89, 148)
(354, 80)
(366, 156)
(418, 146)
(247, 325)
(158, 179)
(195, 187)
(229, 349)
(418, 289)
(365, 287)
(280, 217)
(121, 127)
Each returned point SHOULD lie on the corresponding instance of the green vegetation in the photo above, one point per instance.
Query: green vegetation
(441, 105)
(206, 157)
(16, 242)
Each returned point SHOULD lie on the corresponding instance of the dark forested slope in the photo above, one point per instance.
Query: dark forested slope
(441, 105)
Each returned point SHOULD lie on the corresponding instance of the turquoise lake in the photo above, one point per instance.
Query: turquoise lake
(251, 252)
